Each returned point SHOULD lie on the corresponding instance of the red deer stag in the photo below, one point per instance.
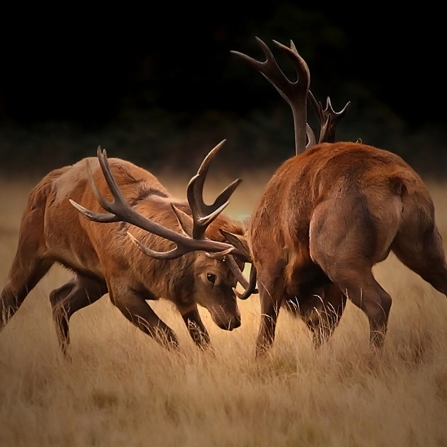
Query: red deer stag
(104, 258)
(328, 215)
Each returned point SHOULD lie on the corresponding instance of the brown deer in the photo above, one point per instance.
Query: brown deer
(328, 215)
(196, 271)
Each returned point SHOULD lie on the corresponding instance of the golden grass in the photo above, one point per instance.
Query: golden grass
(123, 389)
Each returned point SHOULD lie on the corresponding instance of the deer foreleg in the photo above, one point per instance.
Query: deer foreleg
(269, 315)
(196, 328)
(134, 307)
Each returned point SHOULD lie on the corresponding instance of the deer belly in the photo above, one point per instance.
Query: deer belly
(73, 251)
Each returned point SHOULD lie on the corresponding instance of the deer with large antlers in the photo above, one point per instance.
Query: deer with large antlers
(329, 214)
(193, 265)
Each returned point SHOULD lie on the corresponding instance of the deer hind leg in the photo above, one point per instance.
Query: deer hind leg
(25, 273)
(359, 285)
(322, 311)
(346, 253)
(134, 307)
(30, 263)
(68, 299)
(424, 254)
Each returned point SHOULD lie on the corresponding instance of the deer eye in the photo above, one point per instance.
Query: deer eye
(211, 278)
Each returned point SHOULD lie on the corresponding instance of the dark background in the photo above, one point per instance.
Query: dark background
(157, 84)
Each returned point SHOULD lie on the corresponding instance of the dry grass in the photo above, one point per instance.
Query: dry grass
(122, 389)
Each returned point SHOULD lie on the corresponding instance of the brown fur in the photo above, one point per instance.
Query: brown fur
(324, 219)
(105, 260)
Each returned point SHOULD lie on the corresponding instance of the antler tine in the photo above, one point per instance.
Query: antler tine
(98, 217)
(295, 93)
(335, 117)
(120, 210)
(202, 213)
(269, 68)
(328, 118)
(251, 287)
(248, 286)
(176, 252)
(244, 253)
(236, 271)
(311, 140)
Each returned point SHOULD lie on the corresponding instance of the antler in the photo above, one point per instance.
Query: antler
(328, 117)
(295, 93)
(203, 215)
(250, 288)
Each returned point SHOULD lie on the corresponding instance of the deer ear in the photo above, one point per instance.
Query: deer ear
(184, 220)
(240, 243)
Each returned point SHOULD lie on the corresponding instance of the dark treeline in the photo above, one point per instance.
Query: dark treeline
(160, 88)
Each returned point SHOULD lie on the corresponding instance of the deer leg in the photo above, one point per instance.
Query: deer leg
(134, 307)
(68, 299)
(25, 273)
(425, 256)
(269, 315)
(29, 265)
(360, 286)
(346, 253)
(196, 328)
(57, 296)
(322, 312)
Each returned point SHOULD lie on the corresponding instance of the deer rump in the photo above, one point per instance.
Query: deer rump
(326, 217)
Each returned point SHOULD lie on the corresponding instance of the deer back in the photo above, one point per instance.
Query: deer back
(66, 237)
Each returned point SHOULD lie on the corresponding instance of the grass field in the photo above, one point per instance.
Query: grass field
(122, 389)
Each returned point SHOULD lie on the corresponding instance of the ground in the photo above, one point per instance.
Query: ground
(120, 388)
